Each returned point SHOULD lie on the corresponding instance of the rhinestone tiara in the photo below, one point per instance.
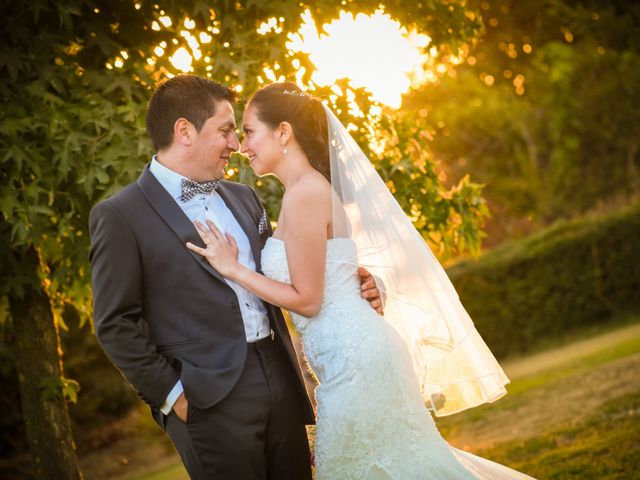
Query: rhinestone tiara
(295, 93)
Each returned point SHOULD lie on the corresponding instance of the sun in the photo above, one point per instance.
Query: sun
(373, 51)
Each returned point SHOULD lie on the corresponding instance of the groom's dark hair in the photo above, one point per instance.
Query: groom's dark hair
(185, 96)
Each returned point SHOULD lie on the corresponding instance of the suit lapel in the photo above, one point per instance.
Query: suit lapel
(244, 219)
(167, 208)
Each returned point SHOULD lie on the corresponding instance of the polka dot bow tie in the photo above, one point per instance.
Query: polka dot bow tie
(191, 188)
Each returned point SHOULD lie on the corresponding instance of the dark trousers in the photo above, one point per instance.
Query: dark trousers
(257, 432)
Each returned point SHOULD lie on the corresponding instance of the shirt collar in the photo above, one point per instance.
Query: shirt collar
(169, 179)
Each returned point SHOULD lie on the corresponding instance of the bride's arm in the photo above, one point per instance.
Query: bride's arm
(306, 243)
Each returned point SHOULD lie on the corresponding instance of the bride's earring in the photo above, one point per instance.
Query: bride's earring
(284, 150)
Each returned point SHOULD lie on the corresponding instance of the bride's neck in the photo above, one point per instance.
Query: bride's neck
(292, 170)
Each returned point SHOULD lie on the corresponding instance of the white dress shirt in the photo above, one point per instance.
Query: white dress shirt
(204, 207)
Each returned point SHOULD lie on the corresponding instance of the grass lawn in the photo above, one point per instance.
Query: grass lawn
(601, 446)
(571, 412)
(176, 472)
(577, 419)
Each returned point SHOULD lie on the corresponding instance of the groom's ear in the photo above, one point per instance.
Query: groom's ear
(183, 132)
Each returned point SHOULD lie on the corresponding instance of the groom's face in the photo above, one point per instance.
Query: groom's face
(214, 143)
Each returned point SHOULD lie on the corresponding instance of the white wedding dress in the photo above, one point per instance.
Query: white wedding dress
(371, 422)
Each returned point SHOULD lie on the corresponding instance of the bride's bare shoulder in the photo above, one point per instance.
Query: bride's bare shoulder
(312, 189)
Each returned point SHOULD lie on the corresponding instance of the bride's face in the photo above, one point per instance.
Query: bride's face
(260, 143)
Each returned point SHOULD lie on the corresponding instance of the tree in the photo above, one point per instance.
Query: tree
(75, 76)
(542, 110)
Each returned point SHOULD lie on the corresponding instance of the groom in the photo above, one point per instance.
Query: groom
(214, 362)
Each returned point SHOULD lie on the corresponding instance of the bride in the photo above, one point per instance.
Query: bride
(376, 373)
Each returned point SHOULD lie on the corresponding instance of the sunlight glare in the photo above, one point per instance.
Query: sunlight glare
(271, 25)
(374, 51)
(193, 44)
(181, 59)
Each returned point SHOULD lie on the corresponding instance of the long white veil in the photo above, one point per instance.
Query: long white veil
(455, 368)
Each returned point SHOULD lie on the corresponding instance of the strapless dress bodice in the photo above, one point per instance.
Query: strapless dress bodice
(340, 276)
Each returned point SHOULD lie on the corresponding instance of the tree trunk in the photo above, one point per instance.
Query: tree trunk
(38, 360)
(632, 170)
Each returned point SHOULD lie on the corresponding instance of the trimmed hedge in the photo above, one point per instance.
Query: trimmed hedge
(572, 274)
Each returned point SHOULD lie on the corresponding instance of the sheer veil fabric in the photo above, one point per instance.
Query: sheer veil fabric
(454, 367)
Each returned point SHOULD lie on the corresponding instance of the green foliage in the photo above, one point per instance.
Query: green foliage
(571, 275)
(105, 394)
(450, 219)
(60, 387)
(68, 135)
(543, 111)
(72, 123)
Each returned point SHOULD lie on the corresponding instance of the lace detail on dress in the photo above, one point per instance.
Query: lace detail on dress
(341, 277)
(372, 423)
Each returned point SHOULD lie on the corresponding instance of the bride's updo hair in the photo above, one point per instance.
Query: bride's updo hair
(285, 102)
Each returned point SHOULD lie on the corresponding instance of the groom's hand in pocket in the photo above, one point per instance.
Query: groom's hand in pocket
(181, 407)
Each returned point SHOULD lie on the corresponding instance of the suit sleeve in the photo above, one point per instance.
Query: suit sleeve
(117, 306)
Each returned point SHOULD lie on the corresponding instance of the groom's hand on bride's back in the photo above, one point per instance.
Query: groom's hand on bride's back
(369, 290)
